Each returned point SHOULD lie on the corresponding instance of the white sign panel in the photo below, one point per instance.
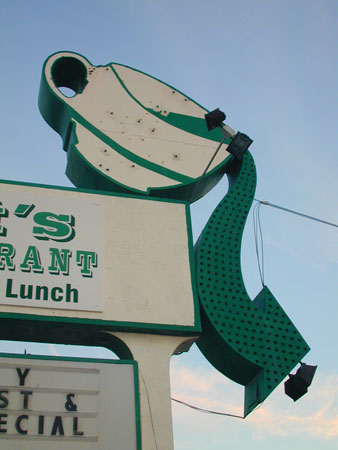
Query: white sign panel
(73, 404)
(52, 253)
(102, 258)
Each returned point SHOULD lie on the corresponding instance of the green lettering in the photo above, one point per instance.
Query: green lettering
(23, 210)
(57, 227)
(32, 261)
(9, 293)
(54, 294)
(7, 252)
(72, 294)
(59, 261)
(3, 213)
(26, 291)
(86, 260)
(43, 290)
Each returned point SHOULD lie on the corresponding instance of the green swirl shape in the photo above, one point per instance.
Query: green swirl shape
(252, 342)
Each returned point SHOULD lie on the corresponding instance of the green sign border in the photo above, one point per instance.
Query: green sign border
(99, 361)
(111, 325)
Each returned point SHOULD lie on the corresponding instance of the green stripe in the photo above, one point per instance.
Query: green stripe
(127, 153)
(189, 124)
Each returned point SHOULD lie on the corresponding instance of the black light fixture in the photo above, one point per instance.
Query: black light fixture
(240, 142)
(297, 385)
(239, 145)
(214, 119)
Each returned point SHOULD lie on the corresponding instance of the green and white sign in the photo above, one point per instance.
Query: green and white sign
(50, 251)
(112, 260)
(126, 131)
(82, 404)
(117, 255)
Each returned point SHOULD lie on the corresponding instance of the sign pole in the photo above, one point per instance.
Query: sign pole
(153, 353)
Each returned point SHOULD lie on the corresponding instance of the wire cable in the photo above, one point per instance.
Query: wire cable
(208, 411)
(206, 169)
(264, 202)
(259, 238)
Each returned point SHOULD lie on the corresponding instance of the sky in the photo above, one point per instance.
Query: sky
(271, 66)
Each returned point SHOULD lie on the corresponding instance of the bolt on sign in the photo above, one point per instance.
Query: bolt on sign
(83, 404)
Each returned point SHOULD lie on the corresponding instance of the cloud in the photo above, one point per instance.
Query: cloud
(315, 415)
(204, 388)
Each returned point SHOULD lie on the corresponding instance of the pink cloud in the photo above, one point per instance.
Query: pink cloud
(316, 414)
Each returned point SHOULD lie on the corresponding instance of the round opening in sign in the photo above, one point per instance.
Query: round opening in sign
(69, 76)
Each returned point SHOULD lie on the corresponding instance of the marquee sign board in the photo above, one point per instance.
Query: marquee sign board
(83, 404)
(107, 259)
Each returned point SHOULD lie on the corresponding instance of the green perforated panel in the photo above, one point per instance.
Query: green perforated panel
(252, 342)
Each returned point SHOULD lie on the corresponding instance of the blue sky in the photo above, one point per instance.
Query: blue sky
(271, 65)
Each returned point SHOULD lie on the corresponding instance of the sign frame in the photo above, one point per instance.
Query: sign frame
(133, 363)
(23, 321)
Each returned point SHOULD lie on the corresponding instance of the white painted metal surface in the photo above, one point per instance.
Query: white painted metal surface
(121, 114)
(53, 404)
(141, 271)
